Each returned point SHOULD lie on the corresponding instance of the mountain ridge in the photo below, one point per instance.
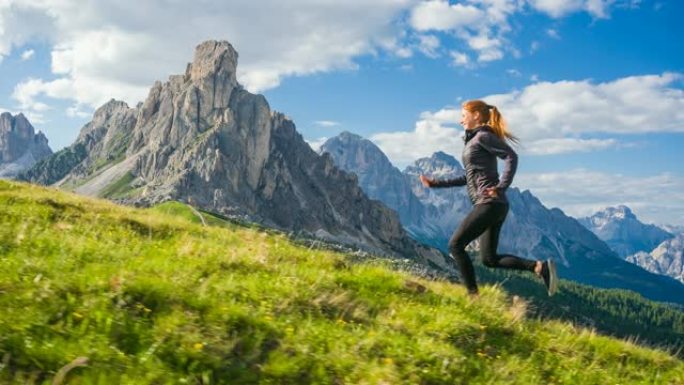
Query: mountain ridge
(202, 137)
(20, 146)
(620, 228)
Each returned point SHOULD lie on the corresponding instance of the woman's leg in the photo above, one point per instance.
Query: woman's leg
(489, 241)
(475, 223)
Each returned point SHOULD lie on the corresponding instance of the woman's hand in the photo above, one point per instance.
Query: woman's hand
(492, 192)
(427, 182)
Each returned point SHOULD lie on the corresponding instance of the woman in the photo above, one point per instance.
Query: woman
(486, 139)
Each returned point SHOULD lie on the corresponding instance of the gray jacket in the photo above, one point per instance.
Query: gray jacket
(482, 147)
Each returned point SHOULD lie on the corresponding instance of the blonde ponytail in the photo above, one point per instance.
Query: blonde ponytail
(492, 117)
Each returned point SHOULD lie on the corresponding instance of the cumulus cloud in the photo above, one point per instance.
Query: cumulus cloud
(566, 145)
(556, 117)
(21, 24)
(316, 144)
(553, 33)
(78, 111)
(103, 50)
(592, 191)
(434, 131)
(28, 54)
(429, 45)
(534, 46)
(559, 8)
(489, 48)
(326, 123)
(439, 15)
(459, 58)
(480, 24)
(484, 25)
(635, 104)
(514, 72)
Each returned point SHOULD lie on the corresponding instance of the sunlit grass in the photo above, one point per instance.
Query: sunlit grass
(153, 296)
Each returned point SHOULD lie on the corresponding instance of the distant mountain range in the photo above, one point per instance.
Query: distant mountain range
(20, 146)
(659, 250)
(531, 230)
(623, 232)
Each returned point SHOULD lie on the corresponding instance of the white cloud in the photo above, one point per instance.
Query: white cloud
(439, 15)
(560, 8)
(553, 33)
(570, 108)
(489, 48)
(514, 72)
(316, 144)
(20, 24)
(327, 123)
(555, 118)
(105, 51)
(404, 52)
(78, 111)
(482, 25)
(534, 46)
(435, 131)
(459, 58)
(653, 198)
(26, 55)
(566, 145)
(429, 45)
(25, 92)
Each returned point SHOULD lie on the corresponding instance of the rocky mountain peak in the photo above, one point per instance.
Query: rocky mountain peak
(347, 136)
(439, 165)
(20, 146)
(108, 109)
(350, 149)
(102, 115)
(211, 58)
(620, 228)
(666, 259)
(618, 212)
(18, 125)
(203, 138)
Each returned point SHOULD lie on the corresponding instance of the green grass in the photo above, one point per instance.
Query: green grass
(153, 297)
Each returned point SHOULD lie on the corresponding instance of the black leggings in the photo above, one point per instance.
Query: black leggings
(484, 221)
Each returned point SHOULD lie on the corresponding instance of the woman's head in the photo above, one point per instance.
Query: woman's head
(476, 113)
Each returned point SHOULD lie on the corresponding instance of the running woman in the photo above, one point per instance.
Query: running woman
(486, 138)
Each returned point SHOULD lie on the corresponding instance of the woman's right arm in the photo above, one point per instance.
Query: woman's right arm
(458, 181)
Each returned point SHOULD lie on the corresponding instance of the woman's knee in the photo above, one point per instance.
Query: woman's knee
(456, 246)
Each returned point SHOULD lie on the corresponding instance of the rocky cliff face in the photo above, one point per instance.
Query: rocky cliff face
(623, 232)
(201, 137)
(376, 174)
(531, 230)
(666, 259)
(20, 146)
(443, 209)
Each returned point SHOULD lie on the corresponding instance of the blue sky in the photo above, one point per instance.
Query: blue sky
(594, 88)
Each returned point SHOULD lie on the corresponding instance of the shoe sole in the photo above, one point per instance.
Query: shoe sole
(553, 277)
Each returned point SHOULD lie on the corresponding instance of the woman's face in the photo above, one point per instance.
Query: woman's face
(469, 120)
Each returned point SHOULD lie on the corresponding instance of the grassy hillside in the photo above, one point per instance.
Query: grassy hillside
(615, 312)
(91, 292)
